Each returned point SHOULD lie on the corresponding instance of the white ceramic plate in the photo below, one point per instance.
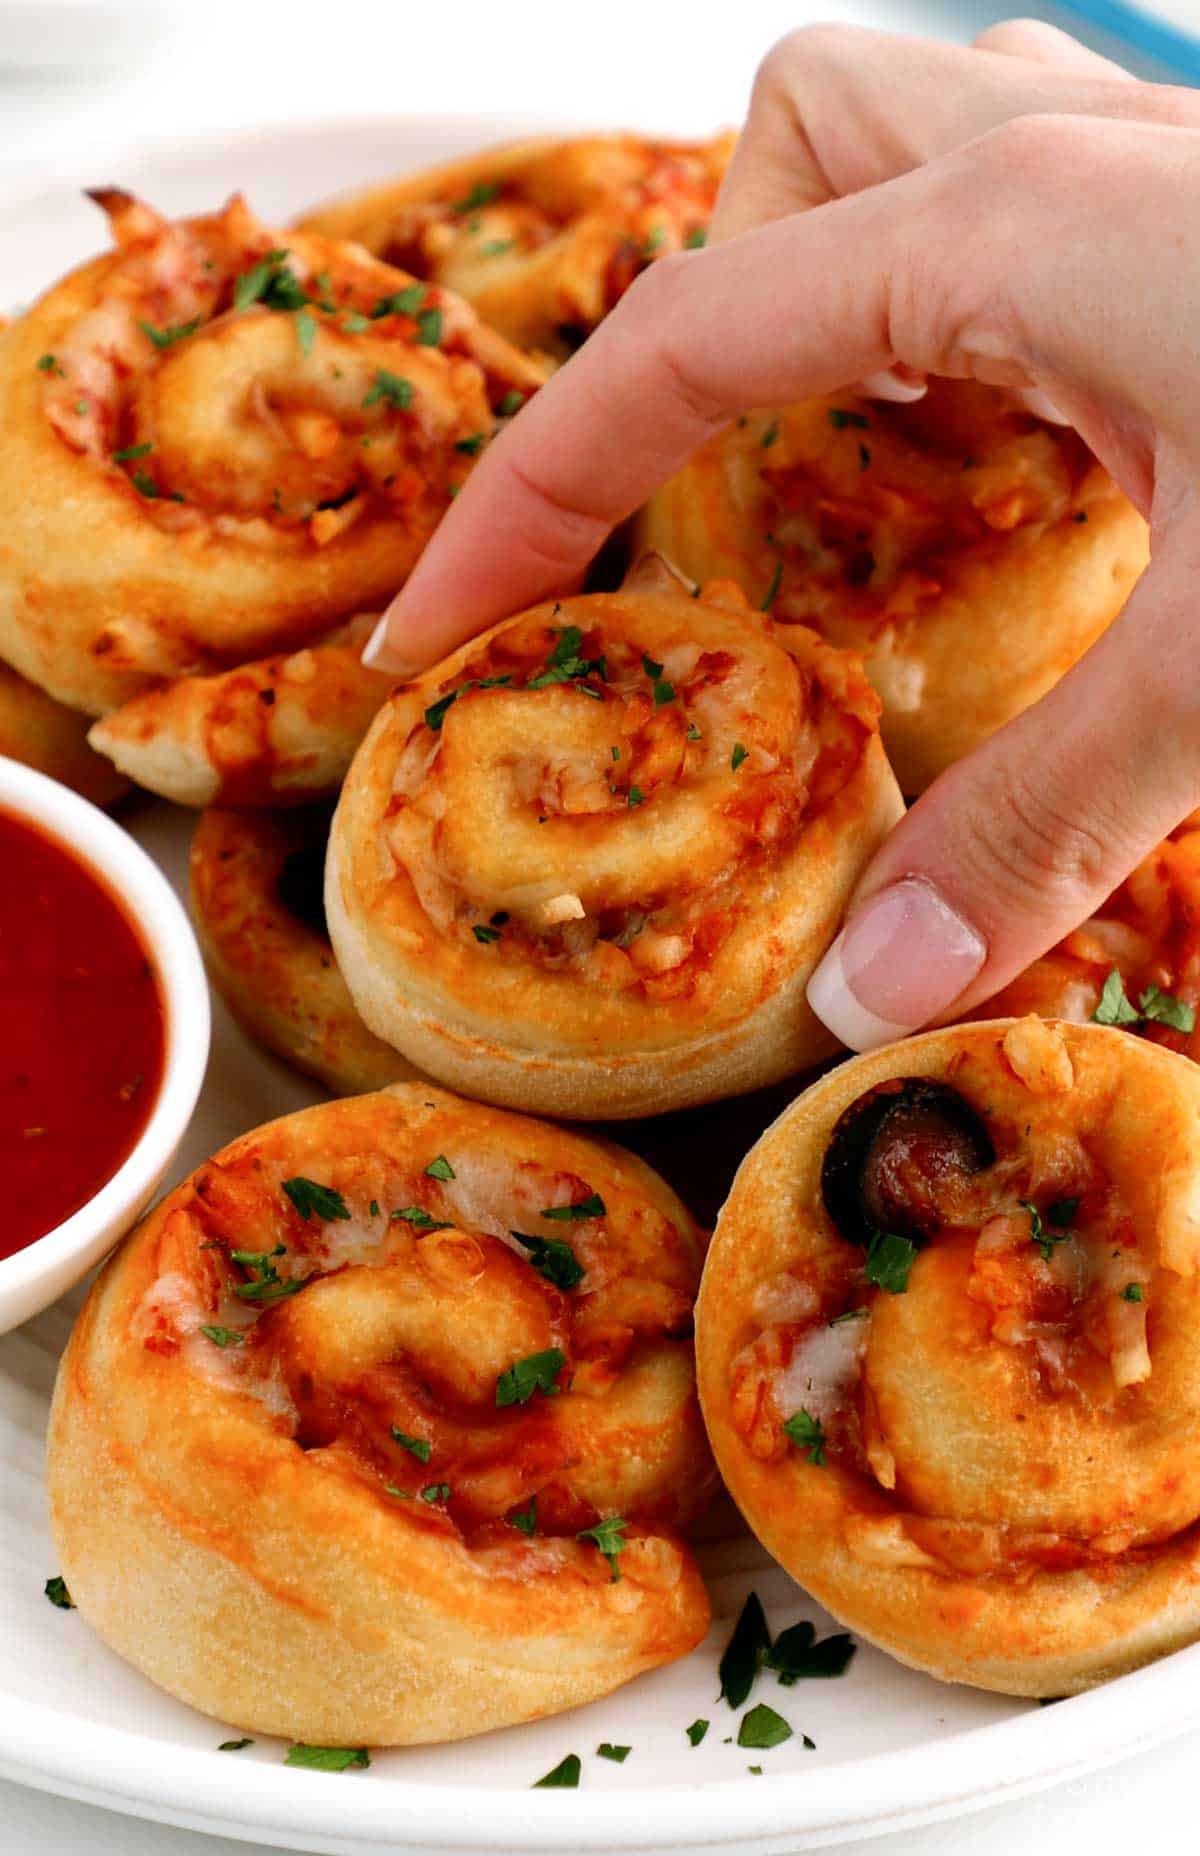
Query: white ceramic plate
(891, 1747)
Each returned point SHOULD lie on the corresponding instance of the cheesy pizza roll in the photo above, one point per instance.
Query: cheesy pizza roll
(949, 1350)
(543, 237)
(279, 731)
(586, 864)
(969, 550)
(392, 1405)
(43, 734)
(219, 443)
(257, 882)
(1136, 962)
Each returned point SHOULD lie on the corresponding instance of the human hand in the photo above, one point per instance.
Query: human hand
(1020, 213)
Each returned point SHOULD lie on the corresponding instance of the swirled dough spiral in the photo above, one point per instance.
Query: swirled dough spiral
(329, 1440)
(543, 237)
(257, 880)
(220, 442)
(971, 551)
(586, 865)
(989, 1367)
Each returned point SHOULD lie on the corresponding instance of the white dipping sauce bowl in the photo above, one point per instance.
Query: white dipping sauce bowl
(47, 1268)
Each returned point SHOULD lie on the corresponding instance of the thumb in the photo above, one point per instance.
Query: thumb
(1020, 842)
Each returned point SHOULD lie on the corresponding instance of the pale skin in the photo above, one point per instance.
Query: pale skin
(1021, 212)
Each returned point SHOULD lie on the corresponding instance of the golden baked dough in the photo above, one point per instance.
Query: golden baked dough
(257, 881)
(543, 237)
(586, 865)
(280, 731)
(43, 734)
(1148, 934)
(969, 550)
(949, 1350)
(355, 1507)
(219, 442)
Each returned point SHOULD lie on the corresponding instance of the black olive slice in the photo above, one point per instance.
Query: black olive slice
(892, 1150)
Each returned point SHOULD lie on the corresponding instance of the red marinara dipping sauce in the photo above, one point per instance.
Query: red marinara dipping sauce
(81, 1059)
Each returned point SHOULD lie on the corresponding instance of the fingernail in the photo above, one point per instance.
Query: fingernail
(377, 653)
(1041, 405)
(901, 959)
(901, 389)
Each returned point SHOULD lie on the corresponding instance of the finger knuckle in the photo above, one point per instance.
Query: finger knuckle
(1033, 840)
(803, 51)
(1040, 154)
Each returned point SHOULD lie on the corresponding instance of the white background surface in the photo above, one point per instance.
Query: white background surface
(106, 75)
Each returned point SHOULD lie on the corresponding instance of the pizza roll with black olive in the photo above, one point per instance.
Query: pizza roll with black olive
(220, 442)
(257, 891)
(543, 237)
(1136, 961)
(586, 865)
(970, 551)
(391, 1406)
(949, 1350)
(276, 732)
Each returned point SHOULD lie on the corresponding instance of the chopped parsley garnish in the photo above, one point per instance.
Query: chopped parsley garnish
(355, 323)
(1114, 1007)
(664, 691)
(436, 1492)
(655, 240)
(889, 1259)
(50, 364)
(565, 665)
(620, 1754)
(739, 754)
(496, 247)
(591, 1207)
(481, 194)
(1057, 1231)
(311, 1198)
(235, 1746)
(538, 1373)
(373, 1208)
(1163, 1008)
(56, 1591)
(608, 1536)
(850, 1314)
(401, 1495)
(773, 589)
(81, 407)
(166, 338)
(525, 1520)
(511, 403)
(484, 934)
(435, 715)
(418, 1216)
(1132, 1292)
(429, 328)
(696, 238)
(565, 1774)
(744, 1652)
(635, 796)
(696, 1731)
(223, 1337)
(404, 302)
(472, 446)
(693, 733)
(762, 1727)
(270, 282)
(807, 1433)
(420, 1447)
(306, 330)
(327, 1758)
(839, 419)
(439, 1169)
(130, 451)
(796, 1654)
(145, 486)
(390, 387)
(553, 1259)
(770, 435)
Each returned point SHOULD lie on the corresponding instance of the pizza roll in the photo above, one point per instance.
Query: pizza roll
(586, 865)
(257, 881)
(543, 237)
(276, 732)
(948, 1344)
(220, 442)
(392, 1406)
(43, 734)
(969, 550)
(1136, 962)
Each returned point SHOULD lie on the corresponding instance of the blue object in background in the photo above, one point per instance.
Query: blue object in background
(1170, 47)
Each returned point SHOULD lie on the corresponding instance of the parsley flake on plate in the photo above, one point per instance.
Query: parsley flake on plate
(327, 1758)
(796, 1654)
(564, 1775)
(696, 1731)
(744, 1652)
(56, 1591)
(762, 1727)
(235, 1746)
(620, 1754)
